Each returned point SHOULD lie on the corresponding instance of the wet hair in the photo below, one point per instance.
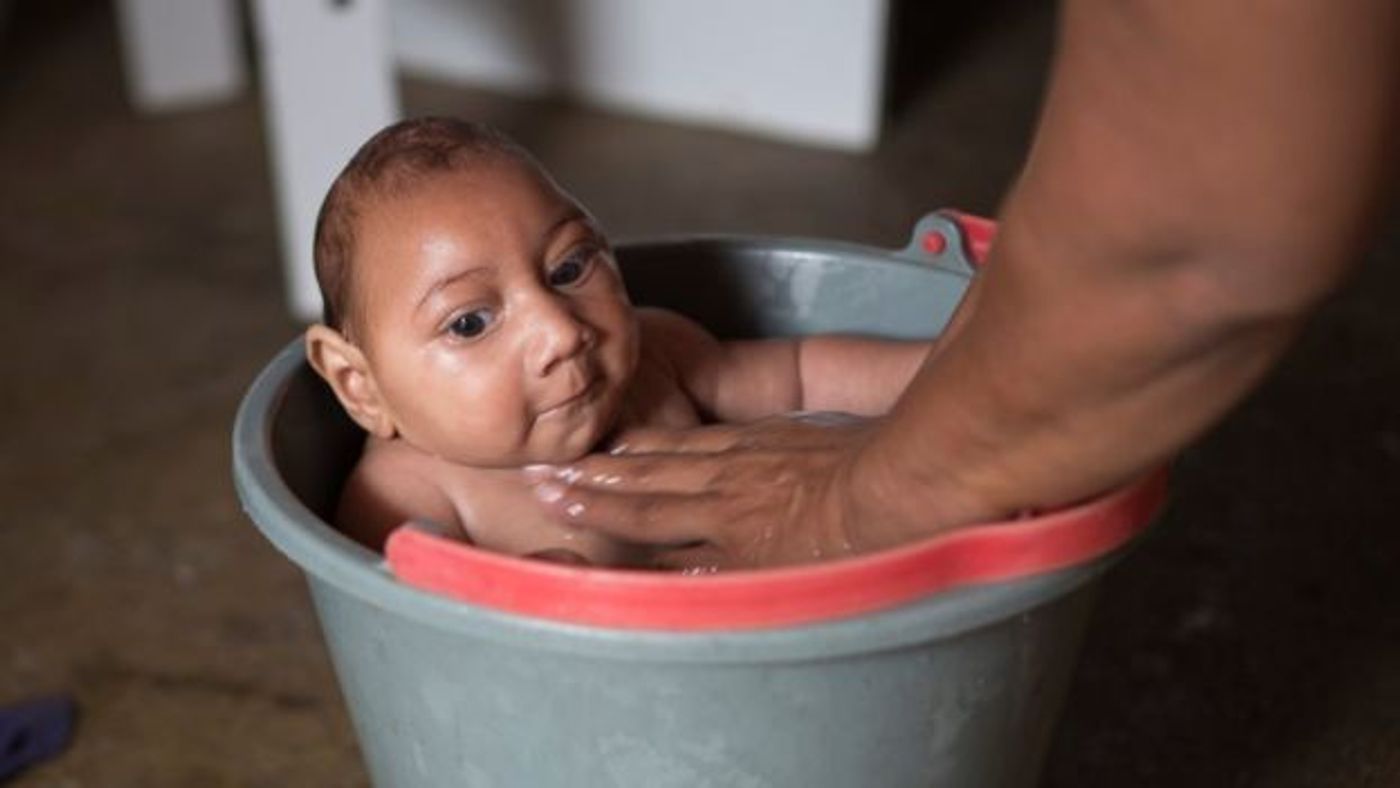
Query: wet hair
(394, 159)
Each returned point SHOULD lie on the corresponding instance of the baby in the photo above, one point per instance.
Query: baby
(475, 323)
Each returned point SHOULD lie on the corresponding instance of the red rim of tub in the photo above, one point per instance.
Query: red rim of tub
(770, 598)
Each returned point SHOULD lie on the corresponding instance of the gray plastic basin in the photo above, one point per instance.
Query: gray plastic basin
(957, 689)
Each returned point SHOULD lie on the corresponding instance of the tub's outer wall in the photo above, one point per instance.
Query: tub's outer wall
(436, 709)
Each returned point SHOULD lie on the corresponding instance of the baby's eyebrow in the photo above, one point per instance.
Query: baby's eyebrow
(450, 279)
(574, 214)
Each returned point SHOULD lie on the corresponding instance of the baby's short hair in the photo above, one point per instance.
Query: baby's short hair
(394, 158)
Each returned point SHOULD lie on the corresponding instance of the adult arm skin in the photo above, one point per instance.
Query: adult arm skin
(1202, 176)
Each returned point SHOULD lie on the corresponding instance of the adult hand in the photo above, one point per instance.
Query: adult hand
(783, 490)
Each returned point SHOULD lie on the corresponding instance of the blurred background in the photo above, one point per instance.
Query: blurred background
(148, 225)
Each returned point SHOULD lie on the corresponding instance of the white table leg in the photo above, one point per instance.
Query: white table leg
(328, 83)
(177, 53)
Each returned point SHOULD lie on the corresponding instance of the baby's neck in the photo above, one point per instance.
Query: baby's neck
(398, 445)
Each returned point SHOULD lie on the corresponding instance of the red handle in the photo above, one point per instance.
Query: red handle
(978, 233)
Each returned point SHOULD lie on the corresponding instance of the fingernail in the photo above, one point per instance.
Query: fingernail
(620, 448)
(574, 509)
(569, 475)
(549, 492)
(538, 472)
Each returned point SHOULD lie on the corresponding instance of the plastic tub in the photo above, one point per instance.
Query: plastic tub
(943, 663)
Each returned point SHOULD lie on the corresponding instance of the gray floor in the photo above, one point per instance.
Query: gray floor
(1254, 640)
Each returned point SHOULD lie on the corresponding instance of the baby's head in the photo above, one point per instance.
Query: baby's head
(472, 307)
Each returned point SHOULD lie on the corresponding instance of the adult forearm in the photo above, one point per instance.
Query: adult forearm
(1203, 174)
(1046, 398)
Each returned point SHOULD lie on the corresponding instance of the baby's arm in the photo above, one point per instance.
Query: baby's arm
(382, 494)
(750, 379)
(389, 487)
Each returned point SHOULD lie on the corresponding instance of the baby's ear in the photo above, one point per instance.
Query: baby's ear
(347, 371)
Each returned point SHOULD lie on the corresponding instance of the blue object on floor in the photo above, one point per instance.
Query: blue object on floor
(33, 731)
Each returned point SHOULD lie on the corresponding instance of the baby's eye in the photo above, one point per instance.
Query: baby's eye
(470, 324)
(573, 268)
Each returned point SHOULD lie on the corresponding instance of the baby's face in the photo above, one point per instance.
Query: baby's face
(495, 322)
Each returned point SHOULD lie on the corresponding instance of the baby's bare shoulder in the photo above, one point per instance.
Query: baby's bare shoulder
(686, 353)
(665, 322)
(390, 485)
(672, 337)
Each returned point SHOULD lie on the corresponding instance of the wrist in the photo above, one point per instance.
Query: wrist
(893, 501)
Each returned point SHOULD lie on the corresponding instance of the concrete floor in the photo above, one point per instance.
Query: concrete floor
(1254, 640)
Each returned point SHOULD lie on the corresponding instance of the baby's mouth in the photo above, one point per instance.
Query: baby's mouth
(579, 396)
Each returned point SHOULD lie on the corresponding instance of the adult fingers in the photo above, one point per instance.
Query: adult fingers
(656, 440)
(647, 518)
(642, 473)
(798, 430)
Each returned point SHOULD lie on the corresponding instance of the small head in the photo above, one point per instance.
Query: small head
(473, 308)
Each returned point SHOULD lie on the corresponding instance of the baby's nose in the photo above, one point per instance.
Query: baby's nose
(558, 334)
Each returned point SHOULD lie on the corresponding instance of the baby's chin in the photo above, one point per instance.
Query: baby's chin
(564, 450)
(555, 453)
(575, 448)
(581, 440)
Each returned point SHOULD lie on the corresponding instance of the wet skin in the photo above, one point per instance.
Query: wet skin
(496, 333)
(491, 331)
